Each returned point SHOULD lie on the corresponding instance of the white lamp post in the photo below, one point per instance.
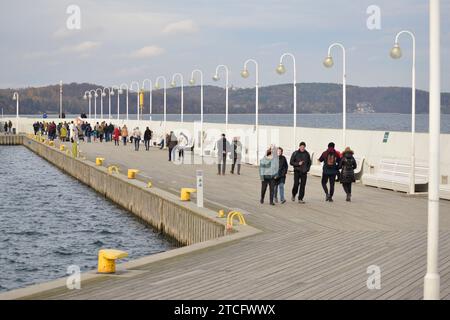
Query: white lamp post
(151, 94)
(396, 53)
(217, 78)
(87, 95)
(16, 98)
(192, 82)
(432, 278)
(281, 69)
(245, 74)
(60, 98)
(328, 63)
(123, 86)
(110, 93)
(98, 93)
(165, 96)
(137, 96)
(173, 85)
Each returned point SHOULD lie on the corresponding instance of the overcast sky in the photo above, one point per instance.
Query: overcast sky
(121, 41)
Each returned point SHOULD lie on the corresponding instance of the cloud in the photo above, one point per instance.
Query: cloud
(82, 48)
(181, 27)
(148, 52)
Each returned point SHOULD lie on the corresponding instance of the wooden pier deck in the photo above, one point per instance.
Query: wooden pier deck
(318, 250)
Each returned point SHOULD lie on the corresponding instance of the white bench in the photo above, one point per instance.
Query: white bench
(395, 175)
(317, 167)
(445, 191)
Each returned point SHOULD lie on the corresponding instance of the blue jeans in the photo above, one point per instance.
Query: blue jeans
(280, 187)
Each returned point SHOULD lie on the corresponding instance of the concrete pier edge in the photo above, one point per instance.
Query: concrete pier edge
(126, 269)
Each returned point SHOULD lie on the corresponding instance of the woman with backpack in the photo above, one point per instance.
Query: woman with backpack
(331, 159)
(347, 165)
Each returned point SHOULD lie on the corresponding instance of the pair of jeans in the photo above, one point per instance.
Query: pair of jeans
(137, 141)
(267, 183)
(300, 179)
(147, 144)
(347, 187)
(331, 179)
(124, 139)
(181, 153)
(116, 142)
(279, 187)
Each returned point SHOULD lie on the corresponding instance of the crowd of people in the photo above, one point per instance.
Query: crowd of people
(337, 166)
(7, 127)
(273, 167)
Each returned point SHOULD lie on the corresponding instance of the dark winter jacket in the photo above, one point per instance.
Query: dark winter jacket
(147, 135)
(298, 157)
(347, 165)
(282, 170)
(332, 168)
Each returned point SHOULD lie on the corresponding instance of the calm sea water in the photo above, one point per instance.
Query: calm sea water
(49, 221)
(376, 121)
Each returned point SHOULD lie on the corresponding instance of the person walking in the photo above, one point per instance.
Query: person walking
(10, 126)
(280, 179)
(182, 144)
(116, 136)
(136, 138)
(172, 142)
(236, 156)
(5, 127)
(330, 159)
(268, 170)
(347, 165)
(124, 134)
(222, 147)
(301, 161)
(63, 133)
(147, 138)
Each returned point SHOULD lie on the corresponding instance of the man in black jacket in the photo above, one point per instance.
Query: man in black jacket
(280, 178)
(301, 161)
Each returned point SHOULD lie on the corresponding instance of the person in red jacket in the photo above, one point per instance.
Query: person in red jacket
(116, 136)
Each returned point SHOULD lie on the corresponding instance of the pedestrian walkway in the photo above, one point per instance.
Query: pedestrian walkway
(318, 250)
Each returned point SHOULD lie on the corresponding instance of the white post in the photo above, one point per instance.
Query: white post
(109, 104)
(216, 78)
(60, 98)
(118, 105)
(192, 81)
(200, 188)
(90, 104)
(432, 278)
(281, 71)
(256, 101)
(329, 63)
(95, 106)
(16, 94)
(182, 93)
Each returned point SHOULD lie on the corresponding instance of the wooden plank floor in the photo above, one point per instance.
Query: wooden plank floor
(313, 251)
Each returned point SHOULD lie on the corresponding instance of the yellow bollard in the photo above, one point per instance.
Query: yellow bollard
(113, 169)
(149, 184)
(62, 147)
(99, 161)
(107, 260)
(186, 194)
(221, 214)
(132, 173)
(51, 143)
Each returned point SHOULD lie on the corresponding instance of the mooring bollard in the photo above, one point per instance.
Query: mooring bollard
(107, 260)
(62, 147)
(186, 194)
(132, 173)
(99, 161)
